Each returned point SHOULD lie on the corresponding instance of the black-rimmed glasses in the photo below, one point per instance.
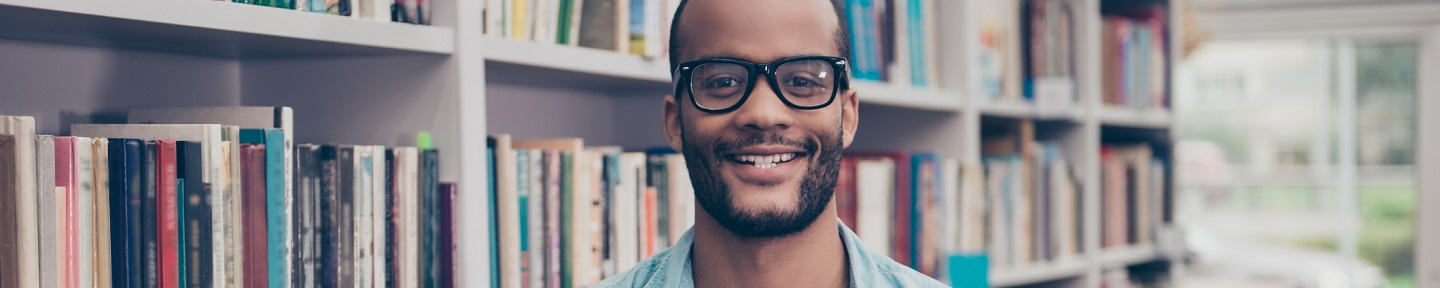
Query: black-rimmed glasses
(722, 85)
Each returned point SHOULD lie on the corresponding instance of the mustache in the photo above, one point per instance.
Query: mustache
(725, 146)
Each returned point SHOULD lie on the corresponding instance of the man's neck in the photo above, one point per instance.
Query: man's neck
(813, 257)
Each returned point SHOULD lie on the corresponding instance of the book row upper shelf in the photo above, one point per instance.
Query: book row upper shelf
(215, 28)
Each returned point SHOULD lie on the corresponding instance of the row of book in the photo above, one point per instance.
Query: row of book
(1135, 59)
(1032, 199)
(403, 11)
(568, 215)
(1027, 51)
(1134, 193)
(192, 203)
(1047, 36)
(900, 204)
(639, 27)
(894, 41)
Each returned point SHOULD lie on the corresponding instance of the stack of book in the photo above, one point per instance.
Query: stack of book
(403, 11)
(1047, 35)
(639, 27)
(1134, 194)
(1135, 59)
(1033, 201)
(568, 215)
(227, 203)
(893, 41)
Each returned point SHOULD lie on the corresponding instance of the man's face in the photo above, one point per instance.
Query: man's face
(764, 169)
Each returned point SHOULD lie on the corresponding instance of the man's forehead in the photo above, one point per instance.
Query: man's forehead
(757, 30)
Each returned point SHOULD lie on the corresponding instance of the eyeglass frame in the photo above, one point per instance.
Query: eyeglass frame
(838, 64)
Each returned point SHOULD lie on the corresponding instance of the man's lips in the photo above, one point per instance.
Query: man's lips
(765, 165)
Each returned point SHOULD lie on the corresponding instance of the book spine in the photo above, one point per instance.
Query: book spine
(256, 264)
(446, 234)
(65, 178)
(101, 164)
(147, 220)
(391, 221)
(197, 249)
(84, 179)
(167, 213)
(47, 218)
(326, 264)
(345, 217)
(276, 173)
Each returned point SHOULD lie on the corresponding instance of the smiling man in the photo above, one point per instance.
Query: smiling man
(761, 110)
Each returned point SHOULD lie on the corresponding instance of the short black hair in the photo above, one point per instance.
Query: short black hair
(842, 35)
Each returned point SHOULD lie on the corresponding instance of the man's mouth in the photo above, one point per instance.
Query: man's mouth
(766, 161)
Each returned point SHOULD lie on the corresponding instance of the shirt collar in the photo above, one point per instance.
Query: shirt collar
(677, 263)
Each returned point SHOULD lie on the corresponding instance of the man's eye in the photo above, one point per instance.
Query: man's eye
(800, 82)
(725, 82)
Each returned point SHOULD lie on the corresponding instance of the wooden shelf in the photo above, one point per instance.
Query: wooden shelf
(1037, 273)
(212, 28)
(1152, 118)
(900, 96)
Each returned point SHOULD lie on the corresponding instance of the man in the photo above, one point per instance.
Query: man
(761, 111)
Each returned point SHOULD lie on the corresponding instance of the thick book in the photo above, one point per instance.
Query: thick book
(252, 161)
(167, 214)
(150, 259)
(195, 213)
(307, 186)
(378, 211)
(345, 217)
(600, 24)
(49, 245)
(124, 173)
(18, 227)
(925, 182)
(875, 190)
(507, 211)
(82, 174)
(326, 266)
(277, 194)
(624, 211)
(100, 164)
(429, 220)
(445, 244)
(245, 117)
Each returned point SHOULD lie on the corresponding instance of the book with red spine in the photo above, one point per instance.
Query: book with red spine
(167, 214)
(252, 163)
(65, 178)
(903, 204)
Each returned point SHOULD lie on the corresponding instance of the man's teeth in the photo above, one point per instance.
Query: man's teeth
(766, 161)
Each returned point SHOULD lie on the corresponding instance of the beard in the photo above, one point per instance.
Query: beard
(715, 196)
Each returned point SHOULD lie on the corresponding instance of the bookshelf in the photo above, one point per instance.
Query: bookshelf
(214, 29)
(366, 82)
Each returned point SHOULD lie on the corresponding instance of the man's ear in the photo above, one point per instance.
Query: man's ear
(850, 115)
(672, 123)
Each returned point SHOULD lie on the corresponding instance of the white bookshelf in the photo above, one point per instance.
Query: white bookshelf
(1124, 256)
(214, 29)
(368, 82)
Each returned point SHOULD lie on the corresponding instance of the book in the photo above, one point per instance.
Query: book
(307, 189)
(83, 205)
(326, 203)
(875, 187)
(256, 264)
(625, 208)
(124, 197)
(65, 178)
(379, 210)
(445, 248)
(19, 231)
(345, 217)
(926, 182)
(194, 215)
(508, 211)
(600, 24)
(49, 245)
(147, 213)
(167, 214)
(245, 117)
(100, 164)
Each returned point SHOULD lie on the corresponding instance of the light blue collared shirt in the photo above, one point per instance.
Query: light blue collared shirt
(671, 268)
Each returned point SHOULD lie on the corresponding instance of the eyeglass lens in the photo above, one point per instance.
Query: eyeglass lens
(804, 83)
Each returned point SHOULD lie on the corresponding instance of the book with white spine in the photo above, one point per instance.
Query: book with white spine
(18, 239)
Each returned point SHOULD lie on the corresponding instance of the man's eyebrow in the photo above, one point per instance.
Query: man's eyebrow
(721, 56)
